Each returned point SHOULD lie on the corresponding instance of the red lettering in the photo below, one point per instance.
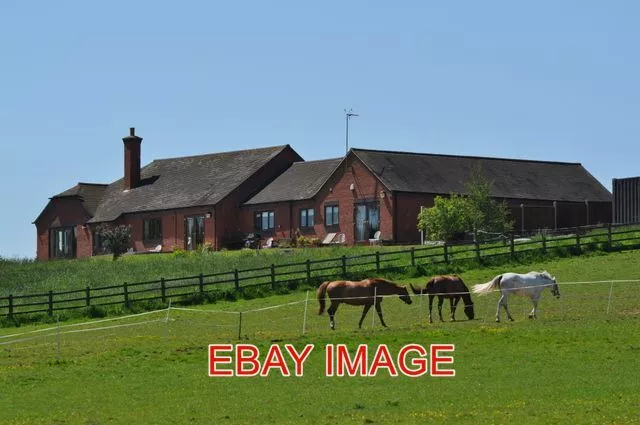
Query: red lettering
(436, 359)
(328, 360)
(250, 359)
(381, 360)
(274, 360)
(213, 359)
(299, 359)
(343, 359)
(419, 363)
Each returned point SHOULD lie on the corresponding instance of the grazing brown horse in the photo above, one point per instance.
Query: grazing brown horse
(451, 287)
(359, 293)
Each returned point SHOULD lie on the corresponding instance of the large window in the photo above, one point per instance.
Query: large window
(265, 221)
(307, 218)
(193, 232)
(331, 215)
(62, 243)
(152, 229)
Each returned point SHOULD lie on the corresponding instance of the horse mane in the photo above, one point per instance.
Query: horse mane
(545, 274)
(381, 280)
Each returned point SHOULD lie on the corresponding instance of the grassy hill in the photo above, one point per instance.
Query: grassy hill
(577, 363)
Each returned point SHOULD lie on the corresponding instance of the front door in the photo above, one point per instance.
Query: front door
(193, 232)
(367, 220)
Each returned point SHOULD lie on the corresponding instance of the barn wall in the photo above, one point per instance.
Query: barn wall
(626, 200)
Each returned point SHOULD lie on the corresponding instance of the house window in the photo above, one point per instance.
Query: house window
(265, 221)
(62, 243)
(193, 232)
(152, 229)
(331, 215)
(307, 217)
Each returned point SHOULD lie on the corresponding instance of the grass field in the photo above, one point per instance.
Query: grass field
(578, 363)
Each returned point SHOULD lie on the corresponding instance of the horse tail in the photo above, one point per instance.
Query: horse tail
(322, 291)
(485, 288)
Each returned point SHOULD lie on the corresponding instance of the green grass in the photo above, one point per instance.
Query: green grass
(575, 364)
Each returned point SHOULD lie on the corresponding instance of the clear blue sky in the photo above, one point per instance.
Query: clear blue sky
(556, 80)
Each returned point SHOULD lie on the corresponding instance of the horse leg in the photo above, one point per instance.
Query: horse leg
(534, 300)
(440, 302)
(379, 311)
(365, 310)
(454, 304)
(430, 307)
(498, 309)
(332, 311)
(506, 308)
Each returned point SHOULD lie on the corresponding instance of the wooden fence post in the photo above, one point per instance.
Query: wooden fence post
(87, 295)
(344, 265)
(10, 305)
(577, 238)
(377, 261)
(609, 238)
(163, 290)
(413, 256)
(544, 243)
(201, 283)
(477, 246)
(308, 271)
(512, 247)
(273, 276)
(236, 279)
(446, 253)
(50, 303)
(125, 292)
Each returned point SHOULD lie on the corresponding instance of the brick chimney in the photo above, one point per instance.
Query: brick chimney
(131, 159)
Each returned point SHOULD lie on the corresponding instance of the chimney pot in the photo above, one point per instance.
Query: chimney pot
(132, 131)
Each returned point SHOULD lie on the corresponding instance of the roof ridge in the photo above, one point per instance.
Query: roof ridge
(317, 160)
(467, 156)
(93, 184)
(280, 147)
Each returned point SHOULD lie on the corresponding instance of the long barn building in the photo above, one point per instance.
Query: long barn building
(218, 198)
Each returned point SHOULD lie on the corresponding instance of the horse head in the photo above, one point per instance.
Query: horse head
(404, 294)
(468, 309)
(555, 290)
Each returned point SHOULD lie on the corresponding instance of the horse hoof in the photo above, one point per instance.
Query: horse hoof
(530, 316)
(497, 320)
(510, 319)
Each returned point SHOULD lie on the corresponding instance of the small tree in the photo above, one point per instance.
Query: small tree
(116, 239)
(453, 217)
(448, 219)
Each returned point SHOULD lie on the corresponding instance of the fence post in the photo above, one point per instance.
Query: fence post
(308, 271)
(273, 276)
(125, 292)
(201, 283)
(512, 247)
(477, 246)
(50, 303)
(609, 302)
(609, 239)
(344, 265)
(377, 261)
(240, 327)
(163, 290)
(577, 238)
(373, 313)
(236, 279)
(446, 253)
(304, 319)
(10, 305)
(88, 295)
(544, 242)
(413, 256)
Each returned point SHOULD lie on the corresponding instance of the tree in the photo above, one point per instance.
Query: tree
(477, 212)
(116, 239)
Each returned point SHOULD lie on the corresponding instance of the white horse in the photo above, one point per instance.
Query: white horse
(525, 285)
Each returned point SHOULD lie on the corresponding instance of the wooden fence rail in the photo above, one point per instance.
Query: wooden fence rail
(306, 271)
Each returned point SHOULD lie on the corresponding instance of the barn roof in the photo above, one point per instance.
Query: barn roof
(512, 178)
(184, 182)
(301, 181)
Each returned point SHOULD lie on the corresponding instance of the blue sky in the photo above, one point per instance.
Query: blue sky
(546, 80)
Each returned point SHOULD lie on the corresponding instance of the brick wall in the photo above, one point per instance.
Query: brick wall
(63, 212)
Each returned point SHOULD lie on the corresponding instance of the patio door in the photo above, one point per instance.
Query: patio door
(367, 221)
(193, 232)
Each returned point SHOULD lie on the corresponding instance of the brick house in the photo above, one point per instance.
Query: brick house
(176, 202)
(217, 198)
(373, 190)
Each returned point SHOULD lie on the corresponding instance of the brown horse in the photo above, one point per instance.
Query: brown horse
(359, 293)
(451, 287)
